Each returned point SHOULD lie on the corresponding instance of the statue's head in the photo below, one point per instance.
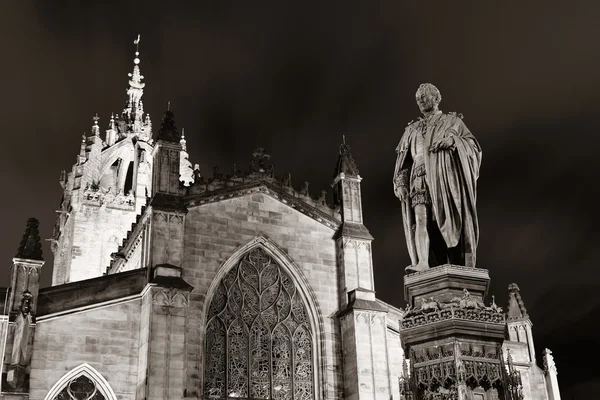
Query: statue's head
(428, 97)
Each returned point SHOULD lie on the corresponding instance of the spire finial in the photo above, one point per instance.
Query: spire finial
(183, 141)
(81, 158)
(168, 105)
(136, 60)
(134, 107)
(96, 128)
(345, 162)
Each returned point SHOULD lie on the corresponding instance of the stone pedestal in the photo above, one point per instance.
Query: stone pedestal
(453, 340)
(444, 283)
(17, 379)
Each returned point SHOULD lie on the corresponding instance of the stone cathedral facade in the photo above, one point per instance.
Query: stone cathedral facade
(171, 285)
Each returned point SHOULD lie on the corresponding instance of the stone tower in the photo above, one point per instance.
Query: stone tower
(105, 190)
(363, 320)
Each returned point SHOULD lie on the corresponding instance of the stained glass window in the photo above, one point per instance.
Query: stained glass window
(80, 388)
(258, 340)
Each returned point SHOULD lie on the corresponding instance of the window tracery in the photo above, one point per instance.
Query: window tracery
(258, 340)
(80, 388)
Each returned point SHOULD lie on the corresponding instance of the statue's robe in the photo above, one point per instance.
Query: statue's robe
(451, 176)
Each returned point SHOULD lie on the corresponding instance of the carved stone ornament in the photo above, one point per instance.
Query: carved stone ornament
(466, 307)
(25, 306)
(549, 365)
(169, 297)
(92, 194)
(440, 371)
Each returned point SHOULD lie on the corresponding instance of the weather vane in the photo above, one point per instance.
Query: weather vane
(137, 44)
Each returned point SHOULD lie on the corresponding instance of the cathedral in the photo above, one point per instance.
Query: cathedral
(168, 284)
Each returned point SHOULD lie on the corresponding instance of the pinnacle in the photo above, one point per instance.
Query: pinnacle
(346, 163)
(516, 307)
(31, 246)
(168, 130)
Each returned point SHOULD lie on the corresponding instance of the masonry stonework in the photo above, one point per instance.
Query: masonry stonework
(148, 253)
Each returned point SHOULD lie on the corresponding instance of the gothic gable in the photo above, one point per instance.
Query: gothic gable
(300, 203)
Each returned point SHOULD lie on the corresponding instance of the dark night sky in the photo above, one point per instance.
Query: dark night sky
(294, 76)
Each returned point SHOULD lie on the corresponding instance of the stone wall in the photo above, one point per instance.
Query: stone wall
(395, 357)
(213, 232)
(98, 232)
(107, 338)
(532, 376)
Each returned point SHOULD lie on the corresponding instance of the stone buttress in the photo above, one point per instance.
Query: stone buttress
(21, 306)
(363, 323)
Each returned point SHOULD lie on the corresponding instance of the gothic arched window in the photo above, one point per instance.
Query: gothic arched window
(259, 343)
(80, 388)
(81, 383)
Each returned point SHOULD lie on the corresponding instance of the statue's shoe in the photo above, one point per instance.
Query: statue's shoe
(416, 268)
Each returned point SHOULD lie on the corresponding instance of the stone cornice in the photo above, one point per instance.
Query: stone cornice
(61, 298)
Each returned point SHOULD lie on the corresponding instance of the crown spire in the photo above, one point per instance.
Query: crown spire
(135, 106)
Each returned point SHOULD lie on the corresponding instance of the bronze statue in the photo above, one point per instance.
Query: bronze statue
(436, 179)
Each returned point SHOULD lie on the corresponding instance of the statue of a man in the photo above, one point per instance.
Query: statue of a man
(435, 178)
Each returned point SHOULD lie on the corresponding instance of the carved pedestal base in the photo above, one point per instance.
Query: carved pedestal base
(453, 339)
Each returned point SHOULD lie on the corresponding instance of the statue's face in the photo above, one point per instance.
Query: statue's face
(428, 98)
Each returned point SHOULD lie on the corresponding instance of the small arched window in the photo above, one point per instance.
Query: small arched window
(80, 388)
(259, 344)
(81, 383)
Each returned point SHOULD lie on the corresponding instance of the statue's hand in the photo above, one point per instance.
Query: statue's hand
(442, 144)
(401, 192)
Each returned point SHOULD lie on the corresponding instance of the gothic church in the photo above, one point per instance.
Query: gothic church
(170, 285)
